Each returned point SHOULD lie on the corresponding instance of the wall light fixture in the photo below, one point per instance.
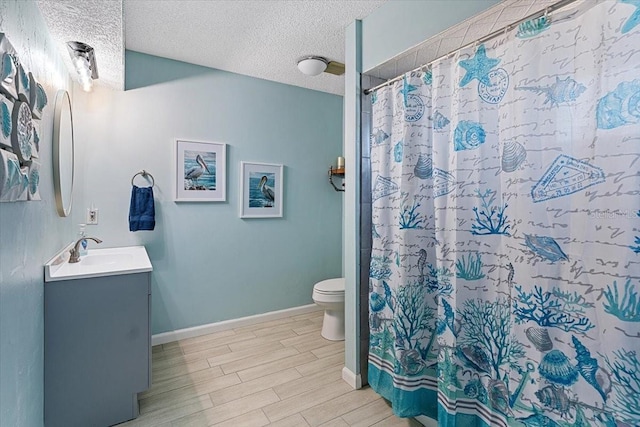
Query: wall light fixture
(84, 60)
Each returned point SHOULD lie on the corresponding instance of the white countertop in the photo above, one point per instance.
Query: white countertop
(98, 263)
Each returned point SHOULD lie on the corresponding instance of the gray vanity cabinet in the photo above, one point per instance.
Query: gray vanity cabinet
(97, 349)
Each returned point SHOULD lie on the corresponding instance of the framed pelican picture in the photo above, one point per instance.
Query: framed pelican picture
(201, 171)
(261, 190)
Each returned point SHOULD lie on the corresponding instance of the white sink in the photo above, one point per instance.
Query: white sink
(98, 263)
(98, 258)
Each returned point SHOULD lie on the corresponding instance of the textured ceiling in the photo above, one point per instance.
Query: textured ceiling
(262, 39)
(259, 38)
(95, 22)
(474, 28)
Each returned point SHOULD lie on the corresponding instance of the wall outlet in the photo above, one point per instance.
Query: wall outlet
(92, 216)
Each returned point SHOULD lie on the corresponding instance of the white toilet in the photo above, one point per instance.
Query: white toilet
(329, 294)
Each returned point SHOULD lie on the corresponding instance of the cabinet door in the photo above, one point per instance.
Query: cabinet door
(96, 349)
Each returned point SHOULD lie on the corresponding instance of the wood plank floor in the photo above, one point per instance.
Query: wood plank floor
(278, 373)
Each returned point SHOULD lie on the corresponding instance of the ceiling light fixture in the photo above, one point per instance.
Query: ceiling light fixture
(312, 65)
(84, 59)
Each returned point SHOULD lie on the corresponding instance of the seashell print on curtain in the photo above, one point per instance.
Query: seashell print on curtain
(505, 272)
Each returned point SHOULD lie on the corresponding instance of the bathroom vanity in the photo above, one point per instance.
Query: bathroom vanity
(97, 337)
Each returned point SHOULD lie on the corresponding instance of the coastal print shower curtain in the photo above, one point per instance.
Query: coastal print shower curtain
(505, 272)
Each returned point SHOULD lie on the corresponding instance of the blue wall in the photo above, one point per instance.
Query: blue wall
(30, 233)
(210, 265)
(399, 25)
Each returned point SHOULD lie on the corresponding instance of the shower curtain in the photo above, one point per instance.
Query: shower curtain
(505, 269)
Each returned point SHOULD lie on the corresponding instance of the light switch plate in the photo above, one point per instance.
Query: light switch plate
(92, 216)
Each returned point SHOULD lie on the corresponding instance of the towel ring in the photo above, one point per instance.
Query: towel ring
(144, 174)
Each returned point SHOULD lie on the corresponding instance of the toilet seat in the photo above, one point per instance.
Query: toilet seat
(329, 291)
(321, 292)
(330, 286)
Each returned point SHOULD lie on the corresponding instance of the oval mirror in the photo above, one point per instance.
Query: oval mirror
(63, 153)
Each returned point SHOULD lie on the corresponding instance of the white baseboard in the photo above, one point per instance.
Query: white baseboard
(352, 379)
(196, 331)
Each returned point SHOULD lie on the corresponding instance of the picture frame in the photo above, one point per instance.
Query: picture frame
(261, 194)
(200, 171)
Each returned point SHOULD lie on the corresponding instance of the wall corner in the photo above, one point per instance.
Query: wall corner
(351, 212)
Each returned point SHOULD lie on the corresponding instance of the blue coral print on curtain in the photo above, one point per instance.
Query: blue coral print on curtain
(505, 269)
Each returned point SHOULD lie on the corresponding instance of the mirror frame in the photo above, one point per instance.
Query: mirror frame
(61, 96)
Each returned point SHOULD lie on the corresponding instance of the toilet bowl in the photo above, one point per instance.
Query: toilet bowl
(329, 294)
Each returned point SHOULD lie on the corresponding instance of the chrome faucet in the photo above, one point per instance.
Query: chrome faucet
(75, 252)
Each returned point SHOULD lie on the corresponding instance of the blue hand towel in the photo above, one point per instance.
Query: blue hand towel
(142, 212)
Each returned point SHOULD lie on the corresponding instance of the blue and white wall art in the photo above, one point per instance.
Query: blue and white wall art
(260, 190)
(22, 101)
(200, 171)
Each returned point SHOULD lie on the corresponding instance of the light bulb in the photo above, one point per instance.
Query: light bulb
(313, 65)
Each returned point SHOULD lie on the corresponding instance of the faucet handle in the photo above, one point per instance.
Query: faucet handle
(75, 251)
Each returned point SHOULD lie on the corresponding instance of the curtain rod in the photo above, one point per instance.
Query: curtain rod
(543, 12)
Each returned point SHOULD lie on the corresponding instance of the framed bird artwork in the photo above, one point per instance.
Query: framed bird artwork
(200, 171)
(261, 190)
